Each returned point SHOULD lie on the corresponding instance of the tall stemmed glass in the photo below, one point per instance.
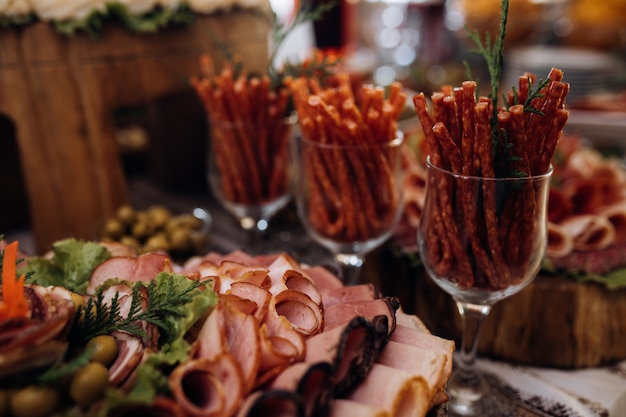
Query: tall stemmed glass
(481, 240)
(248, 170)
(349, 196)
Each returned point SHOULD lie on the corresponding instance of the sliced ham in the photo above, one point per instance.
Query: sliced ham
(343, 408)
(589, 232)
(616, 215)
(25, 358)
(258, 295)
(205, 387)
(351, 293)
(425, 340)
(141, 268)
(342, 313)
(130, 352)
(560, 242)
(417, 361)
(304, 314)
(324, 279)
(393, 390)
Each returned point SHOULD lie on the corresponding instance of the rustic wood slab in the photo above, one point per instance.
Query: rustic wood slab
(61, 93)
(554, 322)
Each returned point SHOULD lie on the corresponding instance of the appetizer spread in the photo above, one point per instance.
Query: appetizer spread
(94, 329)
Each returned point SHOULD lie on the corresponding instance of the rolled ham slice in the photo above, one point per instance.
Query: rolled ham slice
(589, 232)
(616, 215)
(208, 388)
(560, 242)
(397, 392)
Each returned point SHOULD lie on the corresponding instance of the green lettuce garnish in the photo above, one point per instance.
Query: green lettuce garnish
(71, 265)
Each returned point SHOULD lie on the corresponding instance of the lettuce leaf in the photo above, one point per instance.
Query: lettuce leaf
(71, 265)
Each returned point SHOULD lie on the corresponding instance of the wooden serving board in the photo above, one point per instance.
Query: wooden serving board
(61, 92)
(554, 322)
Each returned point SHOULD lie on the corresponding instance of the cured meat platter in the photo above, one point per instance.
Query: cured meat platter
(225, 334)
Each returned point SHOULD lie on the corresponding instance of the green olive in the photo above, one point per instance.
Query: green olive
(33, 401)
(126, 214)
(130, 241)
(113, 228)
(142, 229)
(78, 300)
(180, 239)
(159, 216)
(89, 383)
(104, 349)
(157, 242)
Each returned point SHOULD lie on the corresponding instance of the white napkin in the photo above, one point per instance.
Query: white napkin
(591, 392)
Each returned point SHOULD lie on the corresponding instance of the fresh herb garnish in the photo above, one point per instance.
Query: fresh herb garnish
(162, 302)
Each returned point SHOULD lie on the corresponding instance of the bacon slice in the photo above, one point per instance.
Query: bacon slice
(130, 352)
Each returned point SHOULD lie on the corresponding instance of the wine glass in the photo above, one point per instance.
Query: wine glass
(481, 240)
(248, 171)
(349, 196)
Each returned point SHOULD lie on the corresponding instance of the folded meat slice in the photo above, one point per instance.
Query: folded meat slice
(350, 348)
(129, 268)
(324, 279)
(203, 387)
(312, 382)
(343, 407)
(272, 402)
(417, 361)
(350, 293)
(261, 297)
(560, 242)
(396, 391)
(229, 330)
(589, 231)
(281, 345)
(339, 314)
(616, 215)
(304, 314)
(130, 353)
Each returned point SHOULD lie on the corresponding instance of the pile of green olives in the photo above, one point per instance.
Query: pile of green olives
(85, 386)
(155, 229)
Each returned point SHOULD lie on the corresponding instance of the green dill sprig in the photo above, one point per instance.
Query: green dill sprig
(493, 53)
(98, 317)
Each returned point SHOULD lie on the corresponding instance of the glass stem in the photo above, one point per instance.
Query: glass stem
(350, 265)
(472, 319)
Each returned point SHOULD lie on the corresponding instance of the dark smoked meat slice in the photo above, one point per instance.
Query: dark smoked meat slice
(272, 402)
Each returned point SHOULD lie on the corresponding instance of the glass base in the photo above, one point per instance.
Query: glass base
(466, 392)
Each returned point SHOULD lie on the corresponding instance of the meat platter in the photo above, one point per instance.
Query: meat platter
(219, 335)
